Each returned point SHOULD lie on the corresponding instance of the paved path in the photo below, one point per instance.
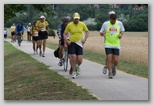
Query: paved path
(123, 87)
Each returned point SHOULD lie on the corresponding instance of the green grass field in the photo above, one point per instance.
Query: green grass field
(27, 79)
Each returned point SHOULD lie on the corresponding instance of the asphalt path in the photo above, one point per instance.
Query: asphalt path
(123, 86)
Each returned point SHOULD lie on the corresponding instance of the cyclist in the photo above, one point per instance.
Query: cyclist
(113, 31)
(75, 42)
(60, 31)
(102, 33)
(12, 28)
(20, 30)
(43, 27)
(34, 33)
(28, 32)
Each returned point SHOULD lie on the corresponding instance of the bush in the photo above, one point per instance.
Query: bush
(52, 32)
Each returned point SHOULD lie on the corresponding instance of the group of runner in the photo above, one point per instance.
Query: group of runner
(112, 30)
(71, 36)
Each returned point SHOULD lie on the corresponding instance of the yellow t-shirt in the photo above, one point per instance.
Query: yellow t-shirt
(42, 25)
(13, 28)
(75, 31)
(33, 29)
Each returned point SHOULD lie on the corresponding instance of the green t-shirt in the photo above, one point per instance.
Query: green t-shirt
(112, 33)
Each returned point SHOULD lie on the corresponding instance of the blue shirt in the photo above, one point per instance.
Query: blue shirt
(20, 28)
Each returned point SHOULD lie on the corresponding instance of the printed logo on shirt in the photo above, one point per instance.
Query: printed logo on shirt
(113, 30)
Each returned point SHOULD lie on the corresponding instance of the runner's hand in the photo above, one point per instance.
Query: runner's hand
(83, 41)
(120, 36)
(68, 42)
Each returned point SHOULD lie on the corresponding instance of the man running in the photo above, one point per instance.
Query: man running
(75, 42)
(101, 33)
(113, 31)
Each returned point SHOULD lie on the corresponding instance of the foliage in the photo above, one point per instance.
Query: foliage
(52, 32)
(137, 23)
(55, 12)
(10, 10)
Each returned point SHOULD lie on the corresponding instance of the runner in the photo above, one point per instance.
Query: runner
(101, 33)
(112, 31)
(43, 27)
(34, 33)
(75, 42)
(12, 28)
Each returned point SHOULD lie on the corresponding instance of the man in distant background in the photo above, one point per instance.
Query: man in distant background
(28, 32)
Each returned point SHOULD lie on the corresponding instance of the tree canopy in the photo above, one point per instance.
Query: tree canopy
(133, 20)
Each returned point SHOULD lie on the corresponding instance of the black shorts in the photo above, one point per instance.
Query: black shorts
(42, 35)
(28, 33)
(35, 38)
(112, 51)
(73, 48)
(12, 33)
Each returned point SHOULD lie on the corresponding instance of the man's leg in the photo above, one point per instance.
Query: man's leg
(60, 51)
(60, 54)
(78, 63)
(73, 64)
(109, 64)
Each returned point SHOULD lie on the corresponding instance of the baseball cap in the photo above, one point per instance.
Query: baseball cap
(42, 16)
(76, 16)
(112, 12)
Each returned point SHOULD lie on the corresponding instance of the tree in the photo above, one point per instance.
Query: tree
(10, 10)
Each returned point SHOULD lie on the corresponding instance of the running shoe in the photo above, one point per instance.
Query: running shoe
(74, 75)
(78, 70)
(43, 55)
(113, 70)
(60, 62)
(110, 75)
(104, 70)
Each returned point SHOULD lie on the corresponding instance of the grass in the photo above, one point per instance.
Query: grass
(27, 79)
(128, 67)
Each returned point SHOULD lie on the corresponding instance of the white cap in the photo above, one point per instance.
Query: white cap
(29, 23)
(42, 16)
(111, 12)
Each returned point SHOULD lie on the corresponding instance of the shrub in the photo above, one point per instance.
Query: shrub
(52, 32)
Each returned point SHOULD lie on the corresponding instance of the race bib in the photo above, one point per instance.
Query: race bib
(113, 30)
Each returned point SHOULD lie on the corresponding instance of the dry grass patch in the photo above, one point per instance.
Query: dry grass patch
(134, 46)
